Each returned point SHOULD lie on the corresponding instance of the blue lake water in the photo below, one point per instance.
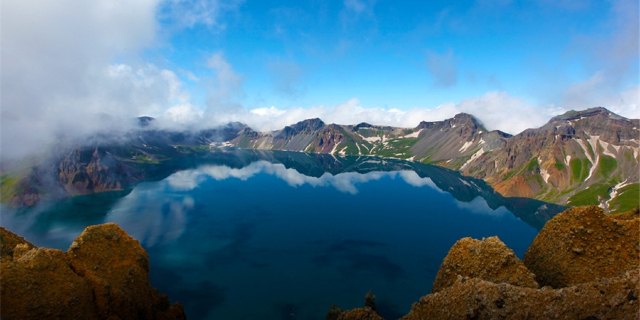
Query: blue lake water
(256, 235)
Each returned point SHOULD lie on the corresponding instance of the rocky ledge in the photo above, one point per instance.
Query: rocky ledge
(582, 265)
(103, 275)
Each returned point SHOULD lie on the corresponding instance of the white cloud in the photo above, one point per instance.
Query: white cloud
(412, 178)
(497, 110)
(182, 115)
(480, 206)
(58, 79)
(611, 61)
(147, 225)
(225, 88)
(628, 103)
(268, 112)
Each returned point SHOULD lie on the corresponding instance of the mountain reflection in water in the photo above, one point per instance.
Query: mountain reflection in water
(283, 235)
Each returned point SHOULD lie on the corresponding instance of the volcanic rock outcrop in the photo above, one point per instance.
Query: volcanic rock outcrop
(474, 298)
(581, 245)
(489, 259)
(103, 275)
(587, 262)
(364, 313)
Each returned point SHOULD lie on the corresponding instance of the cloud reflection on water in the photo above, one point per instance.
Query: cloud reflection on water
(344, 182)
(154, 220)
(480, 206)
(150, 219)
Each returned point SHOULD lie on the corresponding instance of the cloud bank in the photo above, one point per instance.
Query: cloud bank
(496, 110)
(58, 75)
(71, 69)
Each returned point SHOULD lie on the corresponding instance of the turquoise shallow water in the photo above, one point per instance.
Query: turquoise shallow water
(250, 235)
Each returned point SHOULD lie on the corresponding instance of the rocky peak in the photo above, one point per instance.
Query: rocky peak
(247, 131)
(363, 125)
(599, 121)
(145, 121)
(235, 125)
(459, 120)
(467, 119)
(307, 126)
(489, 259)
(573, 115)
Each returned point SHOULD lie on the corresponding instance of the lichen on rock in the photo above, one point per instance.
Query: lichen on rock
(583, 244)
(103, 275)
(488, 259)
(474, 298)
(364, 313)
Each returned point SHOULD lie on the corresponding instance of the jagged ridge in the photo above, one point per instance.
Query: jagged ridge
(588, 157)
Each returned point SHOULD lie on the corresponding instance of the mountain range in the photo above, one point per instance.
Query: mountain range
(587, 157)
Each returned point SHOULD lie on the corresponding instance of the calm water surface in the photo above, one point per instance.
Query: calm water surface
(250, 235)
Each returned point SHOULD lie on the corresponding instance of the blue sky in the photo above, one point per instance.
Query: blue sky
(200, 63)
(402, 54)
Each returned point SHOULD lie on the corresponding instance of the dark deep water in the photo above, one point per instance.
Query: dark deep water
(278, 235)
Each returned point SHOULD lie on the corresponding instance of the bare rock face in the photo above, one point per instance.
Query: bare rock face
(583, 244)
(587, 262)
(488, 259)
(39, 284)
(613, 298)
(364, 313)
(8, 243)
(103, 275)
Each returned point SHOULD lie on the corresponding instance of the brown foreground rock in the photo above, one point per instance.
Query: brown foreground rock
(614, 298)
(364, 313)
(103, 275)
(488, 259)
(9, 241)
(592, 260)
(583, 244)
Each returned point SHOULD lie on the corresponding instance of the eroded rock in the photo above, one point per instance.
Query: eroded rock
(488, 259)
(103, 275)
(591, 259)
(583, 244)
(363, 313)
(612, 298)
(40, 284)
(8, 242)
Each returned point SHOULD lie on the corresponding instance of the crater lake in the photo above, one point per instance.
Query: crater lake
(245, 234)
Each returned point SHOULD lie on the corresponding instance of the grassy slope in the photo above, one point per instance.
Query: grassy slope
(8, 186)
(628, 198)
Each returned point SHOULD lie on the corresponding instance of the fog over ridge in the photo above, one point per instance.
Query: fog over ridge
(72, 72)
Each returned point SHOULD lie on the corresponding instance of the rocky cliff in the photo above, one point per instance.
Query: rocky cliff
(585, 157)
(104, 163)
(588, 157)
(585, 264)
(103, 275)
